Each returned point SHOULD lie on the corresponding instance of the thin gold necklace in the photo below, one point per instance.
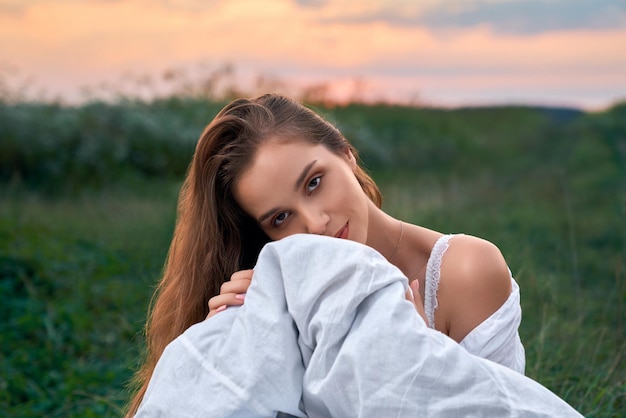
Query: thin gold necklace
(397, 243)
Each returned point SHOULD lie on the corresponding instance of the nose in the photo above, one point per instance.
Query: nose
(315, 221)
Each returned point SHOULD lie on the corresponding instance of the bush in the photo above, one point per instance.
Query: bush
(48, 146)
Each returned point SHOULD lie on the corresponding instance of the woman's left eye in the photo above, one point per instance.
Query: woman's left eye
(314, 183)
(279, 219)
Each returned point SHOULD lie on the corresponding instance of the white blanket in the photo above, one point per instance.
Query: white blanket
(326, 332)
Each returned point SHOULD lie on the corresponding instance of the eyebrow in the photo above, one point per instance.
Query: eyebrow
(305, 172)
(297, 185)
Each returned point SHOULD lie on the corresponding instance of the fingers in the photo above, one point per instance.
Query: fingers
(241, 275)
(227, 299)
(232, 293)
(413, 295)
(238, 286)
(409, 295)
(412, 291)
(220, 302)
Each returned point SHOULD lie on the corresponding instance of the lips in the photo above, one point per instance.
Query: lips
(343, 232)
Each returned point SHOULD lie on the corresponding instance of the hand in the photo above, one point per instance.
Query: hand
(414, 289)
(232, 293)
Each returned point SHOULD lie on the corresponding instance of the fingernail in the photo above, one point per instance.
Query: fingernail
(221, 308)
(240, 296)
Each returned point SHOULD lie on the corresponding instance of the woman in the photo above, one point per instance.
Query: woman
(268, 168)
(325, 333)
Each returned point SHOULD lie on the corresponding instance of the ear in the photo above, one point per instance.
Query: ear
(350, 157)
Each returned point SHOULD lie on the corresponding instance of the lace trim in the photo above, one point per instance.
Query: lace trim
(433, 274)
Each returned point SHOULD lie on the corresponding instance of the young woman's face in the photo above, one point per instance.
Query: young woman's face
(298, 187)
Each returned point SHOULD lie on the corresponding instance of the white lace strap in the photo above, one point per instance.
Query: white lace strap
(433, 274)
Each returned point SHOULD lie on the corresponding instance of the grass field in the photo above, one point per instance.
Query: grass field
(79, 258)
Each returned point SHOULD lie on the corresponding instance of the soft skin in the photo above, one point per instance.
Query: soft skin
(271, 155)
(294, 187)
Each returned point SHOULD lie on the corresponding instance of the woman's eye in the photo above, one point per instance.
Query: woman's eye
(280, 218)
(314, 183)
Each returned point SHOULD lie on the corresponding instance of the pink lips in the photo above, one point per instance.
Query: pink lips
(343, 232)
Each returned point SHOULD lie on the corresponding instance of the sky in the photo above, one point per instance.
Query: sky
(432, 52)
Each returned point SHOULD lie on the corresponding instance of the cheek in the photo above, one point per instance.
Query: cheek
(352, 197)
(354, 192)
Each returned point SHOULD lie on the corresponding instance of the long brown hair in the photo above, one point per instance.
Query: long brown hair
(213, 237)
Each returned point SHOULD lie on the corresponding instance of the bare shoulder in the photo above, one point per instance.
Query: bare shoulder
(475, 282)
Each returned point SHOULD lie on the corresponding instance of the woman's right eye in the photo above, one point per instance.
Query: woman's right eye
(279, 219)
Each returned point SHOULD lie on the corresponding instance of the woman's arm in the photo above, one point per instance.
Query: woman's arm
(325, 327)
(233, 293)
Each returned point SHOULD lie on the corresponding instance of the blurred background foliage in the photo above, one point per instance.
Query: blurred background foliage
(88, 200)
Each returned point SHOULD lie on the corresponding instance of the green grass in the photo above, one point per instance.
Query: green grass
(81, 250)
(77, 273)
(573, 312)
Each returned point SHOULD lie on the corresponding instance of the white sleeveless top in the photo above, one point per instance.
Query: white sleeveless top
(497, 337)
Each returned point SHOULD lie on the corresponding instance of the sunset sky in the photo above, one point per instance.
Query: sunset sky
(436, 52)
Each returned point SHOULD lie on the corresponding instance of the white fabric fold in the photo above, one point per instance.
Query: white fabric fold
(326, 331)
(497, 338)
